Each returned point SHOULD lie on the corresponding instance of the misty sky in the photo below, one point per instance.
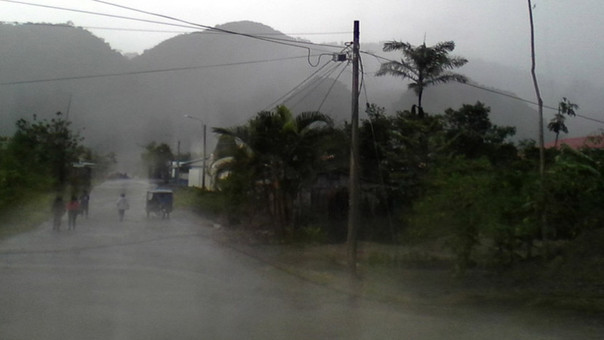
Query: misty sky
(568, 42)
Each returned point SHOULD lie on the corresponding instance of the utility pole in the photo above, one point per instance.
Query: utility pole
(542, 213)
(203, 171)
(68, 107)
(353, 186)
(177, 172)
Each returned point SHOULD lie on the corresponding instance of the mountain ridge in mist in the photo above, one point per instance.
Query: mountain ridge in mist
(223, 79)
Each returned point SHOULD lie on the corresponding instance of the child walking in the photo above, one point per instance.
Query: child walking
(122, 206)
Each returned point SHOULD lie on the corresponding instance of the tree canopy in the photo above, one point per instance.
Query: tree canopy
(423, 65)
(157, 158)
(276, 153)
(39, 157)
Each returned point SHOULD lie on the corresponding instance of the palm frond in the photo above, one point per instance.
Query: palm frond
(240, 134)
(306, 119)
(398, 69)
(446, 78)
(444, 46)
(396, 46)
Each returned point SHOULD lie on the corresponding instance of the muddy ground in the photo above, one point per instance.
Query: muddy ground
(525, 289)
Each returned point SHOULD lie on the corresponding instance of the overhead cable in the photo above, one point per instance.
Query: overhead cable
(284, 97)
(105, 75)
(190, 25)
(286, 42)
(499, 92)
(208, 32)
(316, 83)
(330, 88)
(97, 13)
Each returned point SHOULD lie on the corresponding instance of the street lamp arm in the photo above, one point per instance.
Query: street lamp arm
(195, 118)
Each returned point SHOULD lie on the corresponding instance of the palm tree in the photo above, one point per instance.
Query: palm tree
(279, 151)
(423, 65)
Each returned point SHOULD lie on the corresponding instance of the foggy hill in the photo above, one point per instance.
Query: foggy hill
(223, 79)
(42, 51)
(491, 79)
(233, 76)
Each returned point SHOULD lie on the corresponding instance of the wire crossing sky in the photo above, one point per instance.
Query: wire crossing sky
(567, 31)
(569, 48)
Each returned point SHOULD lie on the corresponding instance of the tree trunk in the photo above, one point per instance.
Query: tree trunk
(420, 109)
(541, 143)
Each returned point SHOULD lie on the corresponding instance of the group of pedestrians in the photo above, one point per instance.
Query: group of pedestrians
(73, 208)
(77, 206)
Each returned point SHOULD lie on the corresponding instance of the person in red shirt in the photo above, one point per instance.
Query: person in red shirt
(73, 209)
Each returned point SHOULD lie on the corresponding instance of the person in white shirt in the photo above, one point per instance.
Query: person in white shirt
(122, 206)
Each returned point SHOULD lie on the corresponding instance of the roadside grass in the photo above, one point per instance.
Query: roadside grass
(571, 281)
(208, 203)
(25, 215)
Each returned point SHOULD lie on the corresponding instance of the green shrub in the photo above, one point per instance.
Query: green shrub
(308, 235)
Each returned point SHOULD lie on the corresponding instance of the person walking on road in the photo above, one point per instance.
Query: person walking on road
(73, 209)
(84, 199)
(122, 206)
(58, 210)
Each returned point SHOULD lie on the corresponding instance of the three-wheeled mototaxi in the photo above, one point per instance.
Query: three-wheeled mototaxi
(159, 202)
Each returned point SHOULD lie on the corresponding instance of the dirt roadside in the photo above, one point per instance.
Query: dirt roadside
(431, 284)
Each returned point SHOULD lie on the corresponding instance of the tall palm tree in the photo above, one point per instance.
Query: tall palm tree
(423, 65)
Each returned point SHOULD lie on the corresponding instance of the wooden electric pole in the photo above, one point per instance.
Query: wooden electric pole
(541, 206)
(354, 186)
(203, 171)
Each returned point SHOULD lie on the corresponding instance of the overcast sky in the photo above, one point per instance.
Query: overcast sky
(568, 32)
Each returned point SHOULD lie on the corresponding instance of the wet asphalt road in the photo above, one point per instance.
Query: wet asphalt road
(167, 279)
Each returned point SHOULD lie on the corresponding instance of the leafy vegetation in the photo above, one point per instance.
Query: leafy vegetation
(270, 159)
(37, 161)
(454, 179)
(157, 158)
(450, 178)
(557, 124)
(38, 157)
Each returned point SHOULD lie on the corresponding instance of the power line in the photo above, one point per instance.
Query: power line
(183, 24)
(112, 28)
(96, 13)
(316, 83)
(501, 93)
(330, 88)
(106, 75)
(210, 32)
(363, 84)
(121, 29)
(286, 42)
(303, 83)
(284, 97)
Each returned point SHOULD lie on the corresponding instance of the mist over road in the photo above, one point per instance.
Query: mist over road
(167, 279)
